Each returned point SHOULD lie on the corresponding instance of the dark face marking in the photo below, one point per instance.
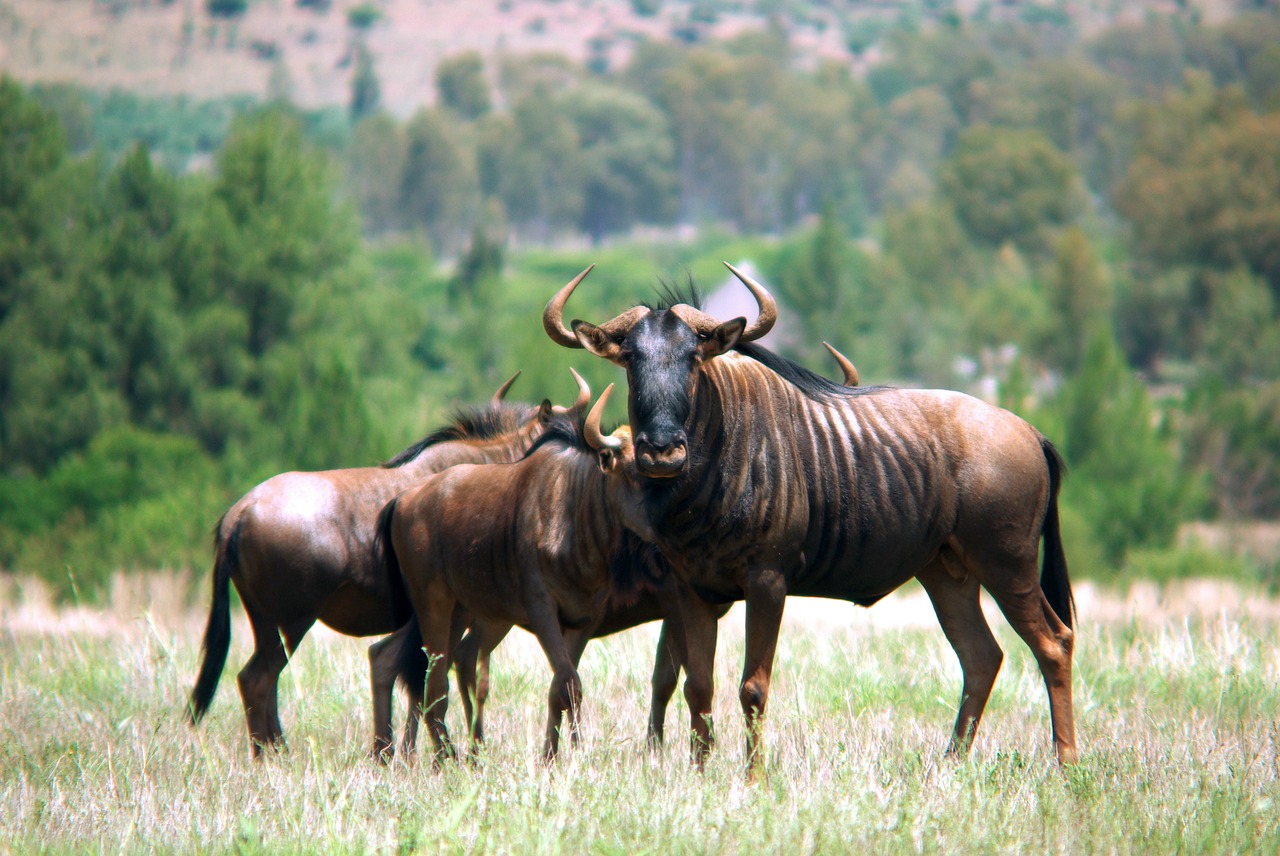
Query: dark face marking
(661, 354)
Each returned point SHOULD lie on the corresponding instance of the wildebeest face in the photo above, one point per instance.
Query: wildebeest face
(661, 354)
(661, 350)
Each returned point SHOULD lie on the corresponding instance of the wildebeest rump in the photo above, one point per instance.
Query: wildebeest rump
(528, 543)
(764, 480)
(299, 548)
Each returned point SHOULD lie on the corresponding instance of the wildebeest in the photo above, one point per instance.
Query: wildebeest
(299, 549)
(529, 543)
(763, 480)
(653, 597)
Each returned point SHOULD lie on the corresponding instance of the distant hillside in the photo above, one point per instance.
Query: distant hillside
(304, 47)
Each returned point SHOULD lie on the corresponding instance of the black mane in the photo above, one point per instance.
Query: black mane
(810, 383)
(470, 423)
(673, 293)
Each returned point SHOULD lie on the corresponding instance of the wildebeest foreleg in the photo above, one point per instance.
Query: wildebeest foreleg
(565, 693)
(700, 628)
(576, 643)
(766, 597)
(960, 614)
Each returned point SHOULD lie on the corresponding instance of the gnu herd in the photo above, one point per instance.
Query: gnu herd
(739, 476)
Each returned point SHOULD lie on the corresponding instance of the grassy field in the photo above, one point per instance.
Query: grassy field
(1176, 697)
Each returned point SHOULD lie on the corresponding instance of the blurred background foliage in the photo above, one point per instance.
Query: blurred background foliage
(1086, 229)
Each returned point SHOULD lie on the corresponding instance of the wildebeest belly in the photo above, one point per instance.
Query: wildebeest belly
(865, 569)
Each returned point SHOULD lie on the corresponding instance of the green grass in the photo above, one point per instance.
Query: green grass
(1176, 714)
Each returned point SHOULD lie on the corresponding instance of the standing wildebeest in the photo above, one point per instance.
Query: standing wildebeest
(765, 480)
(653, 598)
(299, 548)
(529, 543)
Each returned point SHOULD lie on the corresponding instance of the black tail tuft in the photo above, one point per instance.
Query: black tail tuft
(412, 661)
(217, 634)
(1054, 581)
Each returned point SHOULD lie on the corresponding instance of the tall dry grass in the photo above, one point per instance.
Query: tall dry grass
(1176, 695)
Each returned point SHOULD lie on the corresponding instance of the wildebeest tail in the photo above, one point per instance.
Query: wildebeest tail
(1054, 581)
(401, 607)
(411, 660)
(217, 634)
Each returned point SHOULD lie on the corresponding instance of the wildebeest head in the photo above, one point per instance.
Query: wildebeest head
(661, 351)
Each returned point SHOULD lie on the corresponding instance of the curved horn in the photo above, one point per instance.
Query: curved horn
(505, 388)
(850, 372)
(584, 392)
(591, 428)
(553, 315)
(584, 395)
(768, 307)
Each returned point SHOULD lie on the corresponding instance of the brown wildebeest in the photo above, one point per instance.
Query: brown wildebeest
(763, 480)
(299, 549)
(528, 543)
(654, 600)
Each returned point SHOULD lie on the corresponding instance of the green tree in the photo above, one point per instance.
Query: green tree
(375, 161)
(1213, 201)
(542, 185)
(1009, 184)
(1242, 334)
(143, 206)
(1080, 299)
(366, 91)
(439, 189)
(1232, 433)
(819, 285)
(462, 85)
(227, 8)
(1126, 479)
(32, 147)
(626, 158)
(273, 223)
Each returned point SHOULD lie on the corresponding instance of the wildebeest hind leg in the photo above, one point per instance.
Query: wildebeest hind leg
(259, 680)
(435, 610)
(471, 664)
(667, 662)
(383, 665)
(959, 611)
(1051, 641)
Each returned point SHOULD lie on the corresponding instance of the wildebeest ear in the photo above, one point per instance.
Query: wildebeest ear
(597, 341)
(722, 338)
(607, 460)
(545, 410)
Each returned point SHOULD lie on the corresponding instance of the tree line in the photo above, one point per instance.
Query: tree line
(1083, 229)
